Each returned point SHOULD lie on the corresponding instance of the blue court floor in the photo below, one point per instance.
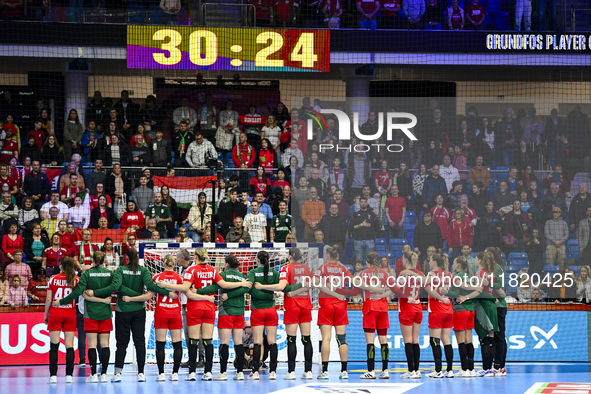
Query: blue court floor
(520, 378)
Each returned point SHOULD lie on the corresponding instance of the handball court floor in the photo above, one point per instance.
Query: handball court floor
(521, 378)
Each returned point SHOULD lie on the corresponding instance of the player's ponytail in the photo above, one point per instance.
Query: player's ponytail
(67, 264)
(333, 252)
(232, 261)
(372, 261)
(296, 254)
(133, 259)
(201, 255)
(445, 259)
(263, 257)
(168, 261)
(99, 258)
(439, 260)
(412, 258)
(464, 264)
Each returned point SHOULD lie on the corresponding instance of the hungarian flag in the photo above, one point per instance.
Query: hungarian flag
(185, 190)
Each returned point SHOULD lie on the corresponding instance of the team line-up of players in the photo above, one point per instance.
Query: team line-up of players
(452, 304)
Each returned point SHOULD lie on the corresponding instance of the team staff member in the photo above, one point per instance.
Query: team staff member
(281, 224)
(500, 341)
(298, 311)
(230, 318)
(333, 310)
(130, 280)
(97, 316)
(167, 317)
(200, 311)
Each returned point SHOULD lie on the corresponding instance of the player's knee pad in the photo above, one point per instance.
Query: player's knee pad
(435, 342)
(342, 339)
(177, 345)
(291, 339)
(306, 339)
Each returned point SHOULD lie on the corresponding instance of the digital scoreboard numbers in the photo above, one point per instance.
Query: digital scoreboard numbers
(234, 49)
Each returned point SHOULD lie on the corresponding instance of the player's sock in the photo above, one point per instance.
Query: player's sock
(160, 356)
(308, 352)
(449, 357)
(371, 354)
(224, 353)
(105, 356)
(417, 355)
(70, 355)
(292, 352)
(177, 356)
(463, 358)
(256, 357)
(410, 357)
(487, 353)
(92, 360)
(325, 366)
(53, 358)
(385, 357)
(273, 356)
(208, 344)
(470, 355)
(436, 348)
(239, 350)
(193, 348)
(343, 366)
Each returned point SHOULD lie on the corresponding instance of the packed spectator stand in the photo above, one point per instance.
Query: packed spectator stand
(516, 182)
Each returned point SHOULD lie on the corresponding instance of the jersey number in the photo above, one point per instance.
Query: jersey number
(62, 293)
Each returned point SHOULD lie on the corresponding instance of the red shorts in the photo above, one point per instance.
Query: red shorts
(264, 317)
(333, 315)
(441, 320)
(199, 316)
(230, 322)
(168, 322)
(60, 323)
(410, 318)
(376, 321)
(463, 320)
(297, 315)
(98, 326)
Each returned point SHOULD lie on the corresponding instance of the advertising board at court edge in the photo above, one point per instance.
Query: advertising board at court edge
(388, 123)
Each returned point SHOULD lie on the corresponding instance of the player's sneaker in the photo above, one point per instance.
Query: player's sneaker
(323, 376)
(174, 377)
(481, 373)
(449, 374)
(104, 378)
(222, 376)
(344, 375)
(52, 379)
(92, 379)
(502, 372)
(69, 379)
(495, 371)
(460, 374)
(385, 374)
(191, 377)
(406, 375)
(307, 376)
(254, 376)
(116, 378)
(272, 375)
(473, 373)
(161, 378)
(289, 376)
(416, 375)
(239, 376)
(141, 377)
(368, 375)
(206, 377)
(436, 375)
(489, 374)
(81, 365)
(264, 365)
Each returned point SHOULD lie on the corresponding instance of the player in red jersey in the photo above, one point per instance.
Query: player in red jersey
(167, 317)
(440, 314)
(63, 318)
(200, 309)
(410, 312)
(298, 311)
(375, 316)
(333, 308)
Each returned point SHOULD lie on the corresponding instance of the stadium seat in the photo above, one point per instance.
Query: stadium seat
(398, 241)
(381, 245)
(573, 242)
(575, 268)
(502, 169)
(350, 268)
(551, 268)
(517, 258)
(220, 156)
(408, 220)
(229, 157)
(410, 214)
(448, 255)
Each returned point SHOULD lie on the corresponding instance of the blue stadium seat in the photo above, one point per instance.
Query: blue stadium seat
(410, 214)
(410, 227)
(410, 236)
(408, 220)
(504, 257)
(503, 169)
(573, 242)
(575, 268)
(448, 255)
(398, 241)
(551, 268)
(517, 258)
(381, 245)
(473, 254)
(220, 156)
(575, 252)
(230, 164)
(229, 156)
(350, 268)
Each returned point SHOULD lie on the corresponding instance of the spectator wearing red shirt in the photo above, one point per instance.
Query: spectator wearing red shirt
(455, 16)
(38, 133)
(133, 218)
(460, 233)
(400, 261)
(243, 156)
(99, 191)
(8, 148)
(83, 253)
(12, 9)
(11, 242)
(475, 14)
(37, 289)
(5, 178)
(441, 216)
(66, 240)
(285, 13)
(260, 183)
(267, 156)
(53, 255)
(395, 212)
(390, 17)
(128, 242)
(264, 10)
(368, 10)
(383, 179)
(299, 131)
(332, 10)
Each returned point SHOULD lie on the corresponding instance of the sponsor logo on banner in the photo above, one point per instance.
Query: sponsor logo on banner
(349, 388)
(559, 388)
